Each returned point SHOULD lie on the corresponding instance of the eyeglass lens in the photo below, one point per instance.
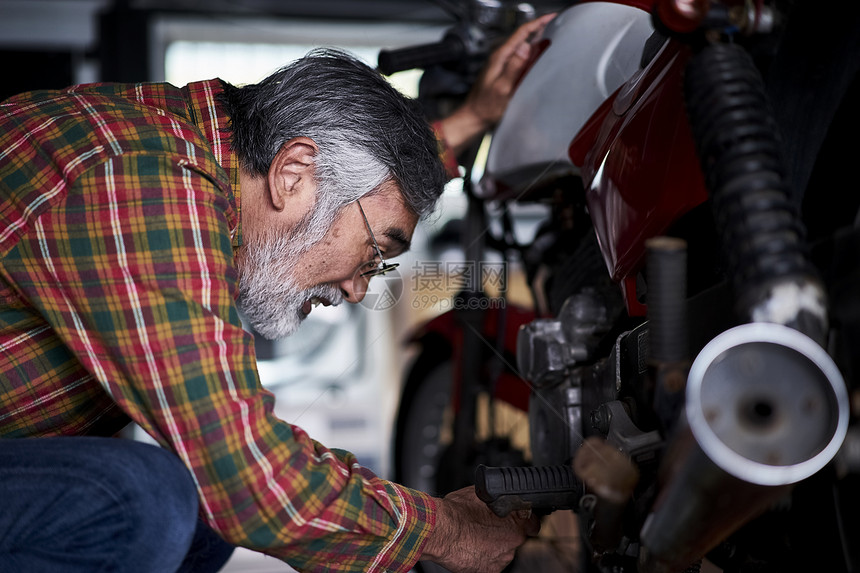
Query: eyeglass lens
(383, 267)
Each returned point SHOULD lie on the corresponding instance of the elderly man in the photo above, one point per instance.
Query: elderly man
(135, 222)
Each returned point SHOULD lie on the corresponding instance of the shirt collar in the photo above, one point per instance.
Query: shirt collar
(210, 117)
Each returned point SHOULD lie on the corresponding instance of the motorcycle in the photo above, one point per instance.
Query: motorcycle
(688, 369)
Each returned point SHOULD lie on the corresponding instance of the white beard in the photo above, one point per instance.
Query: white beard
(268, 296)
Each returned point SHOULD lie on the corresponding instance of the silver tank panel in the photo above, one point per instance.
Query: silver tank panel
(595, 47)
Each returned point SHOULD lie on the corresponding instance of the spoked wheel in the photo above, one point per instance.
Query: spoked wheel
(422, 457)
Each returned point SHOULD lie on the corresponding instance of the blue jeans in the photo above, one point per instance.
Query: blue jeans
(101, 505)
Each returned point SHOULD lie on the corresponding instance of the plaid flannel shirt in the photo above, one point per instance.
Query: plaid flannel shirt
(119, 213)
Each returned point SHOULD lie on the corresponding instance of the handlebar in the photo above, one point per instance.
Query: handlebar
(451, 48)
(482, 24)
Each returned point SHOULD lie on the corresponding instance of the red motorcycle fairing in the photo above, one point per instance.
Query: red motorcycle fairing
(639, 165)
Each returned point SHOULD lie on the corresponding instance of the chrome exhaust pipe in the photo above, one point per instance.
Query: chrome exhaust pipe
(766, 407)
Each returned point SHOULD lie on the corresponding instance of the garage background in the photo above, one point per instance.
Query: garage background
(339, 377)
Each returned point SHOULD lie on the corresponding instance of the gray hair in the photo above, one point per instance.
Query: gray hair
(367, 132)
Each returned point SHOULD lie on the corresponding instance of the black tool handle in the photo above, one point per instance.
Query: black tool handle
(539, 489)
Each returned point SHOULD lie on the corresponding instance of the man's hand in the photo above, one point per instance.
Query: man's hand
(469, 538)
(486, 103)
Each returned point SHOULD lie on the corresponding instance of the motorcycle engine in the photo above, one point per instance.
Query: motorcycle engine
(583, 372)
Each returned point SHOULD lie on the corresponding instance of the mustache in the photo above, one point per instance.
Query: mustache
(328, 292)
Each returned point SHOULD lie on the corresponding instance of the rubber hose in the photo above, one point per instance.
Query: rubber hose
(739, 149)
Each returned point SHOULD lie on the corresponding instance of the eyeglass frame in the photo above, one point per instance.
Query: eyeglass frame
(383, 266)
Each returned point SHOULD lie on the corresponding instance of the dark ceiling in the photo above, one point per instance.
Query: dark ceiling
(340, 9)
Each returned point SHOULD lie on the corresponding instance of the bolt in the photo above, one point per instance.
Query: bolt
(600, 419)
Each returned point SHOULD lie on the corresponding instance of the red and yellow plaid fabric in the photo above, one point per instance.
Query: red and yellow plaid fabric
(119, 212)
(449, 160)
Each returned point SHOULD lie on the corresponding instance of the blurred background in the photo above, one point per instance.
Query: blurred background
(340, 376)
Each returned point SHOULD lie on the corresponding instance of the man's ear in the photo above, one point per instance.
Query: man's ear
(291, 174)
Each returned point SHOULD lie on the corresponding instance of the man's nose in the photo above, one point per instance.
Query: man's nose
(354, 288)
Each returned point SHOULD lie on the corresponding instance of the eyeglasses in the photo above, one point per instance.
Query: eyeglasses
(383, 267)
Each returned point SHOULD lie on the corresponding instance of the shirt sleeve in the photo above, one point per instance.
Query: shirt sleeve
(134, 271)
(446, 154)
